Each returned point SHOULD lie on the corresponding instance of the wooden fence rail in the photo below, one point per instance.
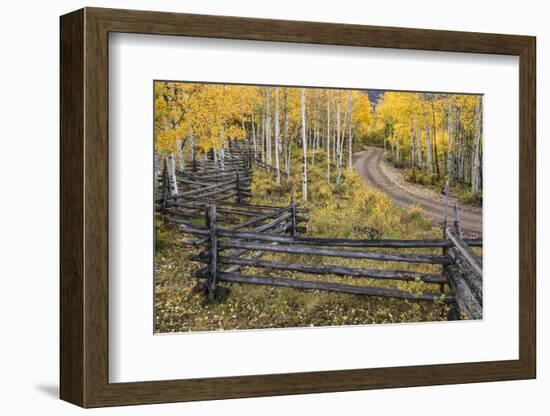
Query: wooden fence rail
(215, 259)
(330, 287)
(356, 272)
(340, 242)
(465, 273)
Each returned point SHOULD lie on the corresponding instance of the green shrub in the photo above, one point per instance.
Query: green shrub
(471, 198)
(415, 217)
(162, 237)
(424, 178)
(399, 165)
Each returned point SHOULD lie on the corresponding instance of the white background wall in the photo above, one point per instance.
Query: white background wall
(29, 159)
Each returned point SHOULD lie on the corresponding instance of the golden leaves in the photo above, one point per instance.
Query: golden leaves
(210, 112)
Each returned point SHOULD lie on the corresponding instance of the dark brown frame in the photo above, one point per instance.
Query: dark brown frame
(84, 207)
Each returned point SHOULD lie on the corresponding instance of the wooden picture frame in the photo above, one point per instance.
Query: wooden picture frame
(84, 207)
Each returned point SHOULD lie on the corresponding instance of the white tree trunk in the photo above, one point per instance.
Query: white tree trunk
(192, 143)
(304, 146)
(262, 133)
(157, 168)
(392, 143)
(222, 157)
(171, 165)
(181, 160)
(337, 155)
(412, 144)
(418, 145)
(450, 132)
(328, 137)
(397, 149)
(350, 136)
(476, 162)
(341, 144)
(443, 128)
(215, 154)
(277, 138)
(288, 142)
(461, 173)
(284, 150)
(350, 146)
(334, 147)
(268, 128)
(343, 135)
(254, 141)
(289, 156)
(246, 136)
(314, 133)
(428, 151)
(318, 123)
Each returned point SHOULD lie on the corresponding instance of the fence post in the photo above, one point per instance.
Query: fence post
(164, 187)
(229, 152)
(458, 229)
(247, 161)
(213, 277)
(293, 211)
(445, 219)
(238, 183)
(248, 155)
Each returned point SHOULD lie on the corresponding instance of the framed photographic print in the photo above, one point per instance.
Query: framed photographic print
(261, 207)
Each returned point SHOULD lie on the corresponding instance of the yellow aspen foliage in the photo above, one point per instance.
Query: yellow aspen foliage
(212, 113)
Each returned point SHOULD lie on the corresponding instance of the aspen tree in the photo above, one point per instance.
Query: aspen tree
(350, 136)
(328, 136)
(435, 137)
(288, 141)
(253, 128)
(314, 138)
(397, 149)
(418, 145)
(412, 143)
(268, 127)
(192, 144)
(340, 154)
(428, 150)
(337, 144)
(476, 162)
(304, 145)
(277, 138)
(181, 161)
(171, 165)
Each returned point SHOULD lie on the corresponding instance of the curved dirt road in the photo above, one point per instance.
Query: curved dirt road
(368, 165)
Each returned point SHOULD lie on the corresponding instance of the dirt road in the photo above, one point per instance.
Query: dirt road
(372, 168)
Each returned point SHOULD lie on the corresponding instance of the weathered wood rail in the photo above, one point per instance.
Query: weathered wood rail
(212, 206)
(264, 242)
